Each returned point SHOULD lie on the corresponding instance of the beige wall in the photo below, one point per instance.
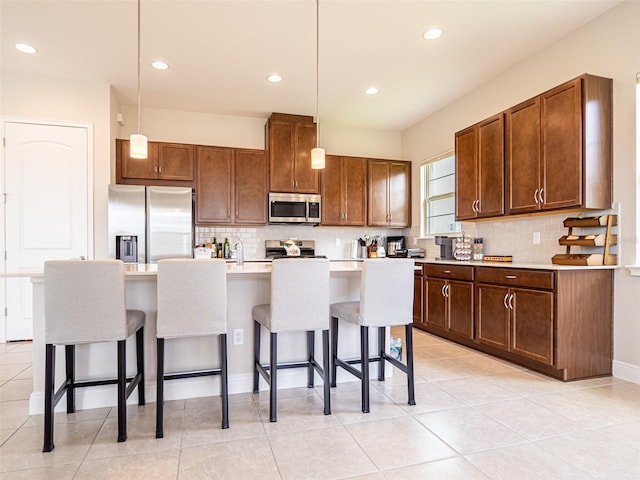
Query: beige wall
(610, 47)
(45, 99)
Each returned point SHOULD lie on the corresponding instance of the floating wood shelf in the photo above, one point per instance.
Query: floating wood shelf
(602, 240)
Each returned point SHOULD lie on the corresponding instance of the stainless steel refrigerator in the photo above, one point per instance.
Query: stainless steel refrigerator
(160, 217)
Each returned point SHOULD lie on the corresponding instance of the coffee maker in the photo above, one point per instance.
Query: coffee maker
(446, 247)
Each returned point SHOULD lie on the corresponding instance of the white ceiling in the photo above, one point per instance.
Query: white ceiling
(220, 52)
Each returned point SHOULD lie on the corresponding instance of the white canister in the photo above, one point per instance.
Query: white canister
(355, 248)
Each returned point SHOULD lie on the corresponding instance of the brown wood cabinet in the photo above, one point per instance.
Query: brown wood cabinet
(389, 193)
(480, 169)
(231, 186)
(167, 163)
(558, 322)
(418, 296)
(448, 300)
(518, 320)
(344, 191)
(559, 148)
(290, 139)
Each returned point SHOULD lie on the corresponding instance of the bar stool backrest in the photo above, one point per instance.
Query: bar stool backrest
(386, 292)
(299, 294)
(84, 301)
(192, 297)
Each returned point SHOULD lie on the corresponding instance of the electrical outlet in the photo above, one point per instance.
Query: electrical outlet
(238, 336)
(536, 238)
(337, 242)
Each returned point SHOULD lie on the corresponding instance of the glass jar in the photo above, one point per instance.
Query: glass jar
(478, 249)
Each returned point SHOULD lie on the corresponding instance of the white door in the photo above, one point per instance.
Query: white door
(47, 207)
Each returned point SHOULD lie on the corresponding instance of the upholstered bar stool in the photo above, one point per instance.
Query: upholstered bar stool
(386, 299)
(192, 302)
(299, 303)
(84, 302)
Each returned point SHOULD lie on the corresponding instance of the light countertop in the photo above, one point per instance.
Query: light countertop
(536, 266)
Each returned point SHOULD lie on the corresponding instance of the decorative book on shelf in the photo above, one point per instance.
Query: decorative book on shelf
(599, 242)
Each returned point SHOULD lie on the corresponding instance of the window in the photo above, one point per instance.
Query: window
(437, 185)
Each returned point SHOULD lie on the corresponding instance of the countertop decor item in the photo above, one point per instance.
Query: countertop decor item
(600, 242)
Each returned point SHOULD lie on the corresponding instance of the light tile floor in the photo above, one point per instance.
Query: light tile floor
(476, 417)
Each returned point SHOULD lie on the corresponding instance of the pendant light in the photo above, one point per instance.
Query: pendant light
(137, 141)
(317, 154)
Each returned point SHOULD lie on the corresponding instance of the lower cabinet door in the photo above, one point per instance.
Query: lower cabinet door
(532, 320)
(493, 315)
(460, 315)
(436, 306)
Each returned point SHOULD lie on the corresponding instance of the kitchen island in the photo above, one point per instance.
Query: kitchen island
(247, 285)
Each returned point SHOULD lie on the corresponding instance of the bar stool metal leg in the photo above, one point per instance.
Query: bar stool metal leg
(122, 391)
(273, 375)
(140, 364)
(160, 389)
(256, 355)
(334, 350)
(70, 368)
(311, 339)
(409, 354)
(49, 372)
(381, 334)
(224, 385)
(326, 372)
(364, 375)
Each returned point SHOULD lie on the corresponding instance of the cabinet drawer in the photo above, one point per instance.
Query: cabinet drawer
(457, 272)
(515, 276)
(417, 270)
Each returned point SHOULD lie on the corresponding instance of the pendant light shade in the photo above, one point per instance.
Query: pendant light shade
(137, 141)
(317, 154)
(138, 146)
(317, 158)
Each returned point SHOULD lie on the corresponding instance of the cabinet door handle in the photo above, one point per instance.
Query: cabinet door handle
(510, 277)
(511, 297)
(535, 196)
(447, 290)
(160, 169)
(443, 289)
(155, 169)
(505, 300)
(447, 271)
(540, 196)
(477, 206)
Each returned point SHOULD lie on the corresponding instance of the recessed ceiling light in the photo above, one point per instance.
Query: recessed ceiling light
(274, 78)
(159, 65)
(371, 91)
(25, 48)
(432, 33)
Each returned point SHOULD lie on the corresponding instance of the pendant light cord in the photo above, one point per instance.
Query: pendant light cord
(138, 131)
(318, 73)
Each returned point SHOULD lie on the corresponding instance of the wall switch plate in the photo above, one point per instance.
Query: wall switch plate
(337, 242)
(536, 238)
(238, 336)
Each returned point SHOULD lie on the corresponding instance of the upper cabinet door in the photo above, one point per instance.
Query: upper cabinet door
(214, 185)
(306, 178)
(562, 146)
(281, 156)
(333, 204)
(290, 139)
(250, 187)
(466, 173)
(399, 194)
(355, 191)
(175, 161)
(523, 156)
(136, 168)
(491, 167)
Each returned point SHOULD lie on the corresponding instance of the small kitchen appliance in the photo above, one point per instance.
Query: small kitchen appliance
(290, 248)
(394, 244)
(446, 247)
(294, 208)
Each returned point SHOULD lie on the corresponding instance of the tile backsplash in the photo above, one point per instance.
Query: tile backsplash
(514, 236)
(333, 242)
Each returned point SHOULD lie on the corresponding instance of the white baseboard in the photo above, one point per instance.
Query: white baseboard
(626, 371)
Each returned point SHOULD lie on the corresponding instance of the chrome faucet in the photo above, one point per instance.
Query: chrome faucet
(239, 250)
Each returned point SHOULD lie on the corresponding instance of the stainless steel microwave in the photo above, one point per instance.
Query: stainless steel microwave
(294, 208)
